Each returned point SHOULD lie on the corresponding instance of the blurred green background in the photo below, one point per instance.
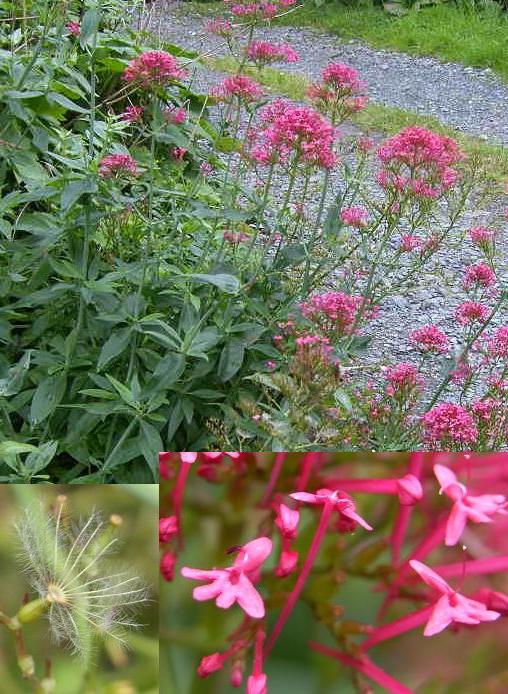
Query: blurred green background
(471, 661)
(115, 671)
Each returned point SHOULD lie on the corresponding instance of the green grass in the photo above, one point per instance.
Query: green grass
(380, 119)
(449, 32)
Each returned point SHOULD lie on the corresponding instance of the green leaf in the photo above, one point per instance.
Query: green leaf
(89, 26)
(13, 448)
(124, 392)
(47, 397)
(114, 346)
(12, 384)
(203, 341)
(61, 100)
(167, 372)
(227, 283)
(150, 445)
(39, 459)
(74, 190)
(231, 359)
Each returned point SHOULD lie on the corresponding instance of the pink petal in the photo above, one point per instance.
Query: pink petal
(253, 554)
(430, 577)
(200, 574)
(228, 595)
(350, 513)
(440, 618)
(188, 457)
(249, 599)
(448, 481)
(308, 498)
(209, 591)
(456, 524)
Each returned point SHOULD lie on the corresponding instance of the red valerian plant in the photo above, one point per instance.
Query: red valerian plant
(307, 524)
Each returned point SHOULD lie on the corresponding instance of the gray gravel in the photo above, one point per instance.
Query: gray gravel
(468, 99)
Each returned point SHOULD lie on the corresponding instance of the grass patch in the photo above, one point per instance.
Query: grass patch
(377, 118)
(457, 33)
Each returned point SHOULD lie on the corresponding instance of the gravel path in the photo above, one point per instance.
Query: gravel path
(466, 98)
(469, 99)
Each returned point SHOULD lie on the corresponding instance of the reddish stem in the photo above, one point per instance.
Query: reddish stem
(300, 581)
(397, 627)
(366, 667)
(178, 493)
(274, 477)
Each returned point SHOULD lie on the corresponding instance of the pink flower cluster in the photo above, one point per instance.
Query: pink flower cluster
(420, 162)
(472, 312)
(355, 216)
(403, 380)
(239, 87)
(443, 512)
(118, 164)
(219, 27)
(265, 53)
(497, 344)
(336, 311)
(449, 424)
(340, 91)
(430, 339)
(74, 28)
(132, 114)
(480, 275)
(153, 68)
(288, 132)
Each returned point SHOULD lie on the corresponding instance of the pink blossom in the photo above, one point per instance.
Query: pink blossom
(235, 237)
(262, 10)
(74, 28)
(292, 133)
(365, 144)
(168, 526)
(234, 584)
(210, 664)
(407, 488)
(265, 53)
(429, 339)
(114, 164)
(451, 606)
(403, 379)
(342, 77)
(153, 68)
(219, 27)
(256, 684)
(131, 114)
(449, 422)
(480, 275)
(478, 509)
(339, 501)
(240, 87)
(409, 242)
(175, 115)
(497, 344)
(178, 153)
(336, 310)
(484, 409)
(167, 566)
(287, 563)
(419, 161)
(287, 521)
(354, 216)
(205, 169)
(482, 237)
(472, 312)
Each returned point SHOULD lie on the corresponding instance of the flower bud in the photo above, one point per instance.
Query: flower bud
(32, 610)
(26, 665)
(167, 528)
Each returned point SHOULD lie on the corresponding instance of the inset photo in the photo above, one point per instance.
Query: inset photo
(334, 573)
(79, 598)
